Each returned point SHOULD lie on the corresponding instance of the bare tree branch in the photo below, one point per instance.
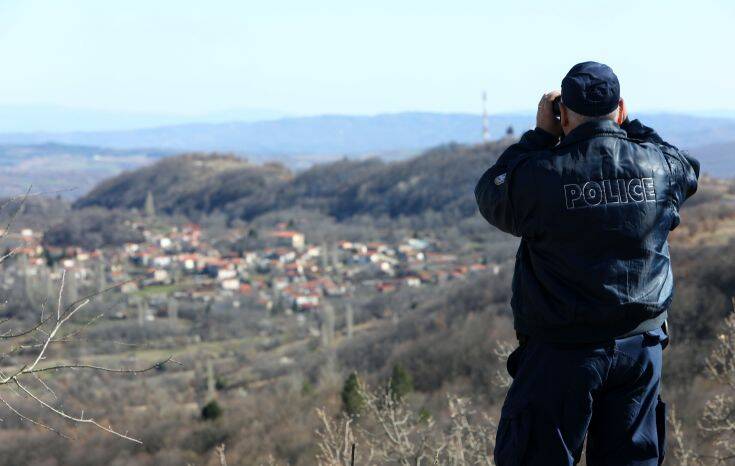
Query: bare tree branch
(42, 335)
(104, 369)
(80, 420)
(32, 421)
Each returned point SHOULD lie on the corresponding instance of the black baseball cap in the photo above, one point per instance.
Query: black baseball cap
(590, 89)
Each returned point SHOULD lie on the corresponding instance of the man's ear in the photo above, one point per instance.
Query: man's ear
(564, 116)
(622, 112)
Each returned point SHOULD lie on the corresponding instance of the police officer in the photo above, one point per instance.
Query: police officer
(593, 196)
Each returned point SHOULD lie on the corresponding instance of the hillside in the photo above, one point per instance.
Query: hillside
(272, 373)
(272, 369)
(186, 184)
(440, 180)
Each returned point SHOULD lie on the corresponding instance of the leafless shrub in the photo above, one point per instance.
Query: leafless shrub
(270, 461)
(220, 450)
(721, 362)
(717, 422)
(391, 432)
(718, 418)
(469, 443)
(680, 446)
(502, 352)
(335, 440)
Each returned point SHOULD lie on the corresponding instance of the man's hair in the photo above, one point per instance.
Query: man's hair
(579, 119)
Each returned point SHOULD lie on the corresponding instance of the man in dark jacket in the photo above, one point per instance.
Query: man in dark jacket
(593, 197)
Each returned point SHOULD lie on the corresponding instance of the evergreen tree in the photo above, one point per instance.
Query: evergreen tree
(327, 324)
(150, 205)
(350, 319)
(28, 283)
(352, 401)
(211, 411)
(211, 381)
(401, 382)
(49, 258)
(101, 278)
(71, 287)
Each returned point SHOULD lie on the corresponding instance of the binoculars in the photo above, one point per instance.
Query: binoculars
(555, 107)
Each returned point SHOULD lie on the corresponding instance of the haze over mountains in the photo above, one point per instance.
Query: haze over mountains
(66, 170)
(326, 135)
(58, 119)
(291, 140)
(83, 158)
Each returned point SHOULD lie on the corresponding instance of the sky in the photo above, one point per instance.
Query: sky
(183, 57)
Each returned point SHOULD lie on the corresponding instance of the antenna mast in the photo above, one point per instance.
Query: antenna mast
(485, 122)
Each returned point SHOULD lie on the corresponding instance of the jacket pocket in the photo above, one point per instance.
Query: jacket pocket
(514, 360)
(661, 429)
(511, 441)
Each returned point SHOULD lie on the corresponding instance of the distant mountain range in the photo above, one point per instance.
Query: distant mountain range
(62, 160)
(296, 142)
(57, 119)
(717, 159)
(301, 141)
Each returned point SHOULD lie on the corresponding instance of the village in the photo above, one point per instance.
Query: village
(285, 273)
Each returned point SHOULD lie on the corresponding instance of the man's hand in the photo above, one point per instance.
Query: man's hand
(545, 118)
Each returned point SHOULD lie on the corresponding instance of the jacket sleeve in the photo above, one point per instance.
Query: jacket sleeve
(494, 191)
(684, 168)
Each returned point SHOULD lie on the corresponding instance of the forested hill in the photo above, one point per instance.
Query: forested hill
(439, 180)
(188, 183)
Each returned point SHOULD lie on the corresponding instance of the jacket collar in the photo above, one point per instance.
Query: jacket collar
(592, 129)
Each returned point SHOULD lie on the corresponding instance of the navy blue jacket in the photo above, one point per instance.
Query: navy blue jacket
(594, 213)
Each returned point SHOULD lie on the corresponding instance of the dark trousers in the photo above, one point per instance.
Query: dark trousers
(608, 393)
